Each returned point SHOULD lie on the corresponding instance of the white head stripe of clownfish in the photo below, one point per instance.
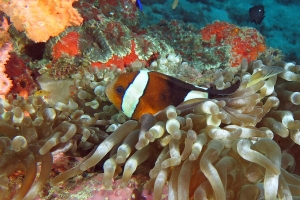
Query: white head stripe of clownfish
(134, 92)
(195, 94)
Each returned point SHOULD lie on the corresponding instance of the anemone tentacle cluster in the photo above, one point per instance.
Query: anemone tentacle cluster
(32, 132)
(239, 146)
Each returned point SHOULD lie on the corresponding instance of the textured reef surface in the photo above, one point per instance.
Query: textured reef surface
(61, 138)
(278, 26)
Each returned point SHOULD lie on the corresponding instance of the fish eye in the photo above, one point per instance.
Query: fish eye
(119, 90)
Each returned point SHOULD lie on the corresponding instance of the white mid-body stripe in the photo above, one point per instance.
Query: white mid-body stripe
(203, 88)
(195, 94)
(134, 92)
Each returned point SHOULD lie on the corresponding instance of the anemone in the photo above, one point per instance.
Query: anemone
(240, 146)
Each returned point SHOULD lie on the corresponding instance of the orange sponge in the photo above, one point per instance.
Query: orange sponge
(41, 19)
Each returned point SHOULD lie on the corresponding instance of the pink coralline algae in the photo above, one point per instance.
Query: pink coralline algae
(16, 77)
(90, 186)
(5, 48)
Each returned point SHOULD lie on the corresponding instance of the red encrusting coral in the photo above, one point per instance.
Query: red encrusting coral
(123, 62)
(119, 62)
(23, 78)
(219, 44)
(68, 44)
(244, 42)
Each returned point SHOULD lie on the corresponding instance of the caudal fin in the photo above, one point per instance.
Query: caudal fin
(263, 73)
(213, 93)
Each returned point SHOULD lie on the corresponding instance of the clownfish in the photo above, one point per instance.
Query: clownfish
(144, 91)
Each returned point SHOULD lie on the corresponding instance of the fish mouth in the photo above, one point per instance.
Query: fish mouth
(109, 89)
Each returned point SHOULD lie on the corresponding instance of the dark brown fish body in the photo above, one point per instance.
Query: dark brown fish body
(257, 14)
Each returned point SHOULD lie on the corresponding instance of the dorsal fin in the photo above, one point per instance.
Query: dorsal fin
(179, 82)
(212, 93)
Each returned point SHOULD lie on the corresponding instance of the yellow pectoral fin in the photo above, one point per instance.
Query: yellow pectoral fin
(263, 74)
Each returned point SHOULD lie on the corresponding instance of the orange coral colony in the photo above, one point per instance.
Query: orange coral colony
(41, 19)
(244, 42)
